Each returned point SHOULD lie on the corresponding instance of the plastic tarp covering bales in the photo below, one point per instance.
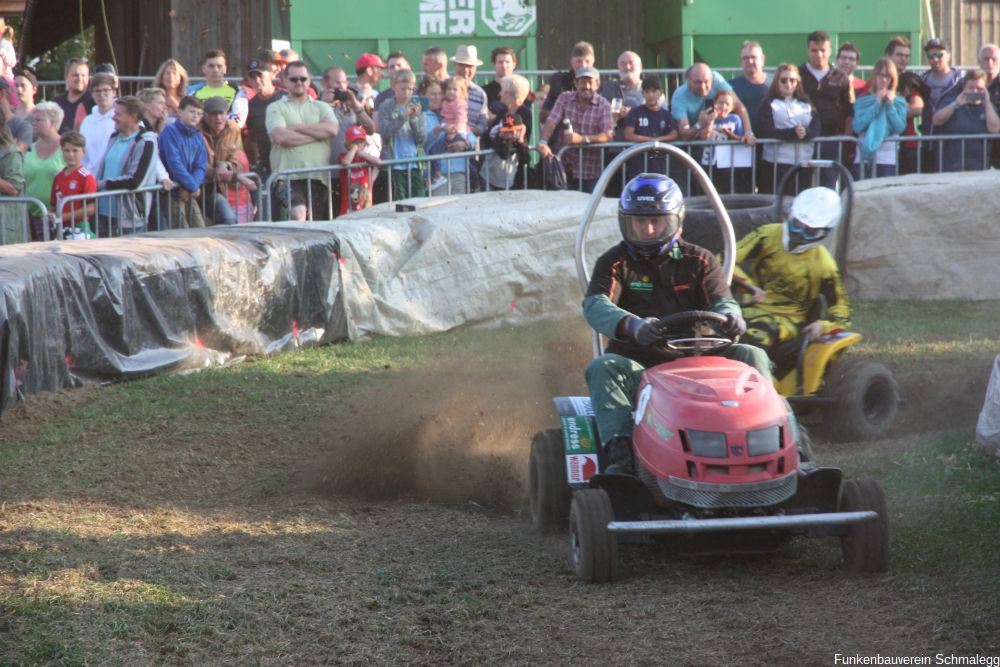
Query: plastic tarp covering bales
(487, 259)
(89, 311)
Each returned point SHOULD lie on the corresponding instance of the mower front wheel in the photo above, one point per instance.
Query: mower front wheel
(548, 492)
(865, 545)
(593, 553)
(865, 400)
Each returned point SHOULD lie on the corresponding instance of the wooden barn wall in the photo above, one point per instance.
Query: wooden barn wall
(145, 34)
(612, 27)
(966, 26)
(140, 33)
(238, 27)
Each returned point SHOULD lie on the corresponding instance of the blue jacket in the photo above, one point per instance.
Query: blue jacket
(878, 121)
(183, 151)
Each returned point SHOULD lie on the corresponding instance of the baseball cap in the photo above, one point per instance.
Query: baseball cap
(256, 66)
(216, 105)
(106, 68)
(355, 133)
(269, 56)
(588, 72)
(369, 60)
(936, 43)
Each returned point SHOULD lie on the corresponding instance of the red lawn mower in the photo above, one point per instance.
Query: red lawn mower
(715, 451)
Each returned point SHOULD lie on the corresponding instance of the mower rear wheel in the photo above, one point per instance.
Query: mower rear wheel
(865, 545)
(865, 400)
(549, 495)
(593, 552)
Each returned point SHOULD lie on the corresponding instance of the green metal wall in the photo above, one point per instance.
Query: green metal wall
(682, 32)
(327, 34)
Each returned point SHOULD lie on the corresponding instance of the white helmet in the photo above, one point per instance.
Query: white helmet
(815, 213)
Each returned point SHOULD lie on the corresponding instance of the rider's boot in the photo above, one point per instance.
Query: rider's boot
(622, 461)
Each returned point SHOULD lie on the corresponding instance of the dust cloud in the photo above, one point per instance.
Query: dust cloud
(458, 433)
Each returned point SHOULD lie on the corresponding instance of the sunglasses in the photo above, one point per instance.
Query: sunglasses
(298, 79)
(935, 56)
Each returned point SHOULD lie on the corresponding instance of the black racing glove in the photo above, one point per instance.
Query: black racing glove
(734, 326)
(643, 331)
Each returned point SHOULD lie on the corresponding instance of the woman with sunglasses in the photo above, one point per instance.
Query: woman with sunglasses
(786, 114)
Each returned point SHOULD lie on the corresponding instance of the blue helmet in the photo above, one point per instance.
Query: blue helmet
(650, 196)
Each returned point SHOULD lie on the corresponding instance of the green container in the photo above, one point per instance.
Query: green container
(680, 33)
(325, 38)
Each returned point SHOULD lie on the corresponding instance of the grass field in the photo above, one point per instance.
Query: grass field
(365, 503)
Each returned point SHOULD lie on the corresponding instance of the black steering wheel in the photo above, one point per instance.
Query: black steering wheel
(676, 331)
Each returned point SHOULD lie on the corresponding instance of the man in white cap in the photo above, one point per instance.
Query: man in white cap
(465, 61)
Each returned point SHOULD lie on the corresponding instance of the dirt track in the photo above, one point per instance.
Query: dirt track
(394, 531)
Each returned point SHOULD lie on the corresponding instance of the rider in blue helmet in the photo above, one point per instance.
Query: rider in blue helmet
(650, 199)
(652, 273)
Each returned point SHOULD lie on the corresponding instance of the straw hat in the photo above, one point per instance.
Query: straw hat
(467, 55)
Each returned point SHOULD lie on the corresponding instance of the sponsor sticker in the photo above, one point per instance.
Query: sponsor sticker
(582, 405)
(580, 467)
(578, 435)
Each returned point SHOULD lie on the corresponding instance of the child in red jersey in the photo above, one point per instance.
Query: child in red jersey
(356, 179)
(73, 180)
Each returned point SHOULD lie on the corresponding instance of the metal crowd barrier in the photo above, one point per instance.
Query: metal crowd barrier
(928, 156)
(279, 183)
(930, 150)
(25, 225)
(120, 214)
(157, 210)
(727, 180)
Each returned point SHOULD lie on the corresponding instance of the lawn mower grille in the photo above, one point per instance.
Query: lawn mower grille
(712, 496)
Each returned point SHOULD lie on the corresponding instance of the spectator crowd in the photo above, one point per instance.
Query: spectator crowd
(199, 154)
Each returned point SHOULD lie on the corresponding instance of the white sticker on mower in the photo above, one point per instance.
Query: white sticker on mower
(581, 405)
(640, 408)
(580, 467)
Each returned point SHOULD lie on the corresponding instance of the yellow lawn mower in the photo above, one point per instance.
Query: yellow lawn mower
(857, 398)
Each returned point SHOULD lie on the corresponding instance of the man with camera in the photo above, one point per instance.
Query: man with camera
(349, 111)
(970, 112)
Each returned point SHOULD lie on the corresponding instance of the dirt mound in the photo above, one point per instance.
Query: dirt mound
(459, 433)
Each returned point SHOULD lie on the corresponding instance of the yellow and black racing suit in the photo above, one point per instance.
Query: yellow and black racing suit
(792, 282)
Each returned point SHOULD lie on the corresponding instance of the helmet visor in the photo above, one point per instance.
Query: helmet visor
(805, 233)
(649, 230)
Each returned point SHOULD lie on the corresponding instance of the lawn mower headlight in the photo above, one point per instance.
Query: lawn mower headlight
(707, 443)
(764, 441)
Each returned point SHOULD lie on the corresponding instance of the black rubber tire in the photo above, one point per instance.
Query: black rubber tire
(593, 549)
(865, 400)
(548, 492)
(865, 545)
(747, 213)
